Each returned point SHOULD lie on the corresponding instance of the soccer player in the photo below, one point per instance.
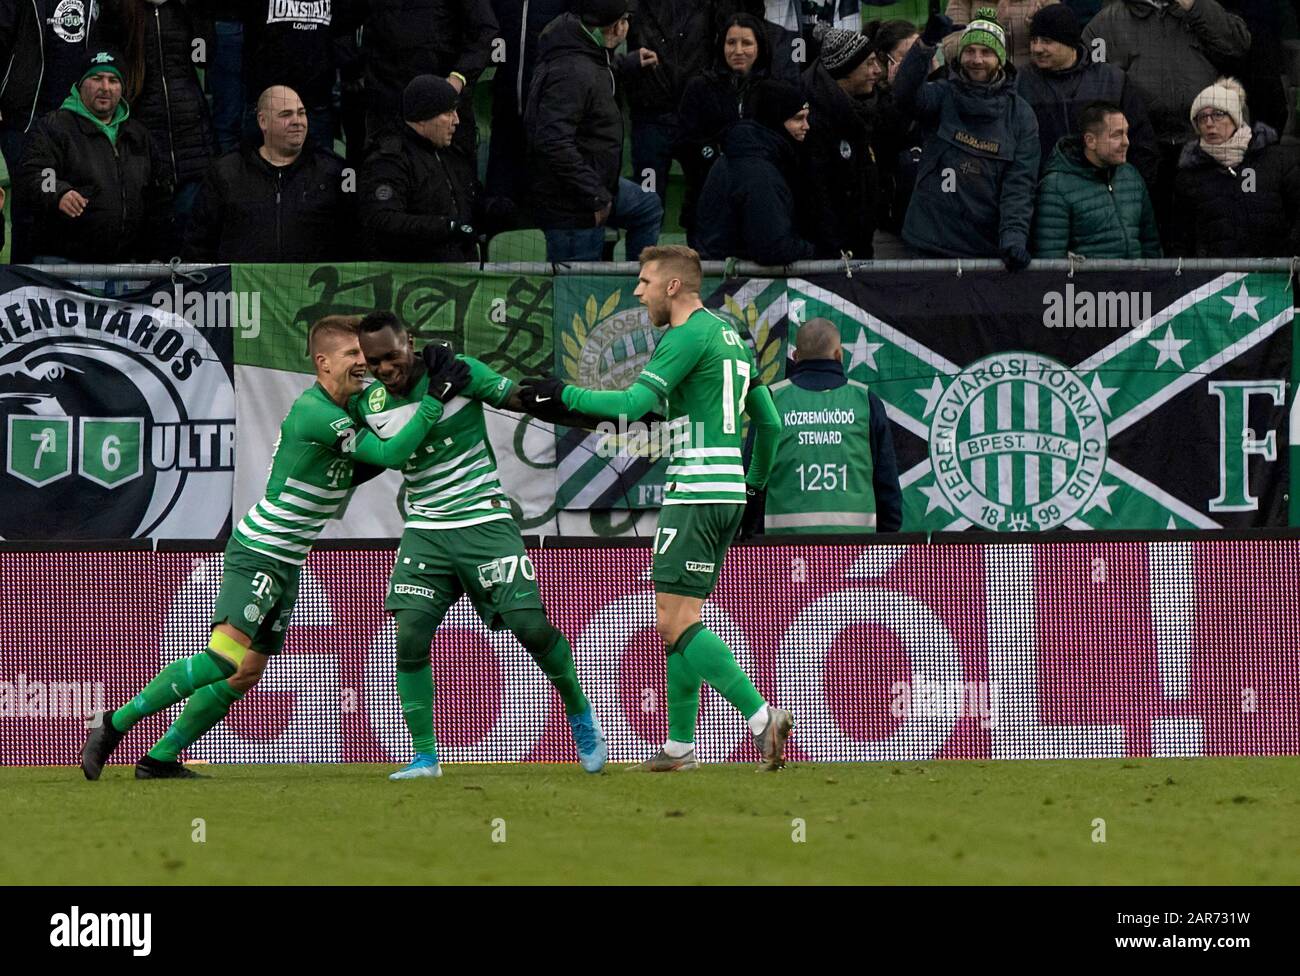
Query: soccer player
(460, 537)
(705, 371)
(311, 474)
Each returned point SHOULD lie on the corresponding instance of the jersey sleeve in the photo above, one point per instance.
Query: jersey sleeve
(767, 433)
(674, 357)
(485, 383)
(332, 427)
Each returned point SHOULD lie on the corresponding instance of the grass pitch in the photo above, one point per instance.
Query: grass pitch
(1167, 821)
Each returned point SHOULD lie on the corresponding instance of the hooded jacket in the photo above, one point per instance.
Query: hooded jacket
(574, 125)
(123, 180)
(1169, 54)
(1215, 215)
(747, 207)
(44, 45)
(1098, 212)
(293, 44)
(411, 196)
(1058, 98)
(981, 142)
(842, 179)
(249, 210)
(171, 103)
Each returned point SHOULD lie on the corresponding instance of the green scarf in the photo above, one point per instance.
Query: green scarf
(76, 106)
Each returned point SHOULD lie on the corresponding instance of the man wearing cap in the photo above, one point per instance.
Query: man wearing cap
(90, 175)
(749, 207)
(974, 195)
(281, 202)
(575, 136)
(418, 198)
(1061, 78)
(842, 178)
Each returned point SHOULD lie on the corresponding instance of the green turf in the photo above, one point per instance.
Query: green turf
(1190, 821)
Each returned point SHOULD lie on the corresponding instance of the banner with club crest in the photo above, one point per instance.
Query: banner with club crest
(117, 413)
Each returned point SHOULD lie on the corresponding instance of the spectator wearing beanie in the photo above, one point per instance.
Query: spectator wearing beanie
(1169, 50)
(716, 99)
(417, 197)
(1013, 15)
(282, 201)
(1061, 78)
(748, 206)
(575, 136)
(1238, 189)
(400, 39)
(1092, 202)
(110, 199)
(842, 180)
(974, 191)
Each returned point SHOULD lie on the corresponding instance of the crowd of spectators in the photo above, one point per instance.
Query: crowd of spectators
(336, 130)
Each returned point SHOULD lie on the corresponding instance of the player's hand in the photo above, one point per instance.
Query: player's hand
(437, 356)
(752, 521)
(541, 390)
(447, 374)
(72, 204)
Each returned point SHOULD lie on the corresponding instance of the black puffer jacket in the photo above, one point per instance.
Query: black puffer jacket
(405, 38)
(1218, 218)
(125, 184)
(249, 210)
(171, 103)
(413, 200)
(842, 180)
(574, 125)
(747, 207)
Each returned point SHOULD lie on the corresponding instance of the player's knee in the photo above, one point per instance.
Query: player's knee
(414, 641)
(533, 630)
(249, 674)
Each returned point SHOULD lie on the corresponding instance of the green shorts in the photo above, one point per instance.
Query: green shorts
(487, 561)
(689, 546)
(257, 597)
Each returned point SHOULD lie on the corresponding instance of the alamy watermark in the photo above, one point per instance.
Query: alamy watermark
(22, 698)
(240, 310)
(1084, 309)
(661, 439)
(947, 700)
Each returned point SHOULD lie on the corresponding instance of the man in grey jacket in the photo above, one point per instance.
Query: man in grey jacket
(1170, 50)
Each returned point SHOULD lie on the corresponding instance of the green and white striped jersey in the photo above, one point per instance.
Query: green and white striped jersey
(451, 479)
(704, 369)
(311, 472)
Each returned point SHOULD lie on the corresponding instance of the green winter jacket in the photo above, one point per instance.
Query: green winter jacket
(1091, 211)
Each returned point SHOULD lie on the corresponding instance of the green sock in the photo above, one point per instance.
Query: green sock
(707, 654)
(206, 708)
(415, 689)
(683, 699)
(558, 666)
(178, 680)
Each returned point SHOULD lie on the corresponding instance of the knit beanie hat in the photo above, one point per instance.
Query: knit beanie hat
(601, 13)
(1226, 95)
(1057, 23)
(986, 30)
(776, 101)
(842, 51)
(104, 59)
(427, 96)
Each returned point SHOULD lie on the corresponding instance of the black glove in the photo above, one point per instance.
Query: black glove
(437, 356)
(1015, 257)
(541, 398)
(936, 29)
(451, 376)
(752, 521)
